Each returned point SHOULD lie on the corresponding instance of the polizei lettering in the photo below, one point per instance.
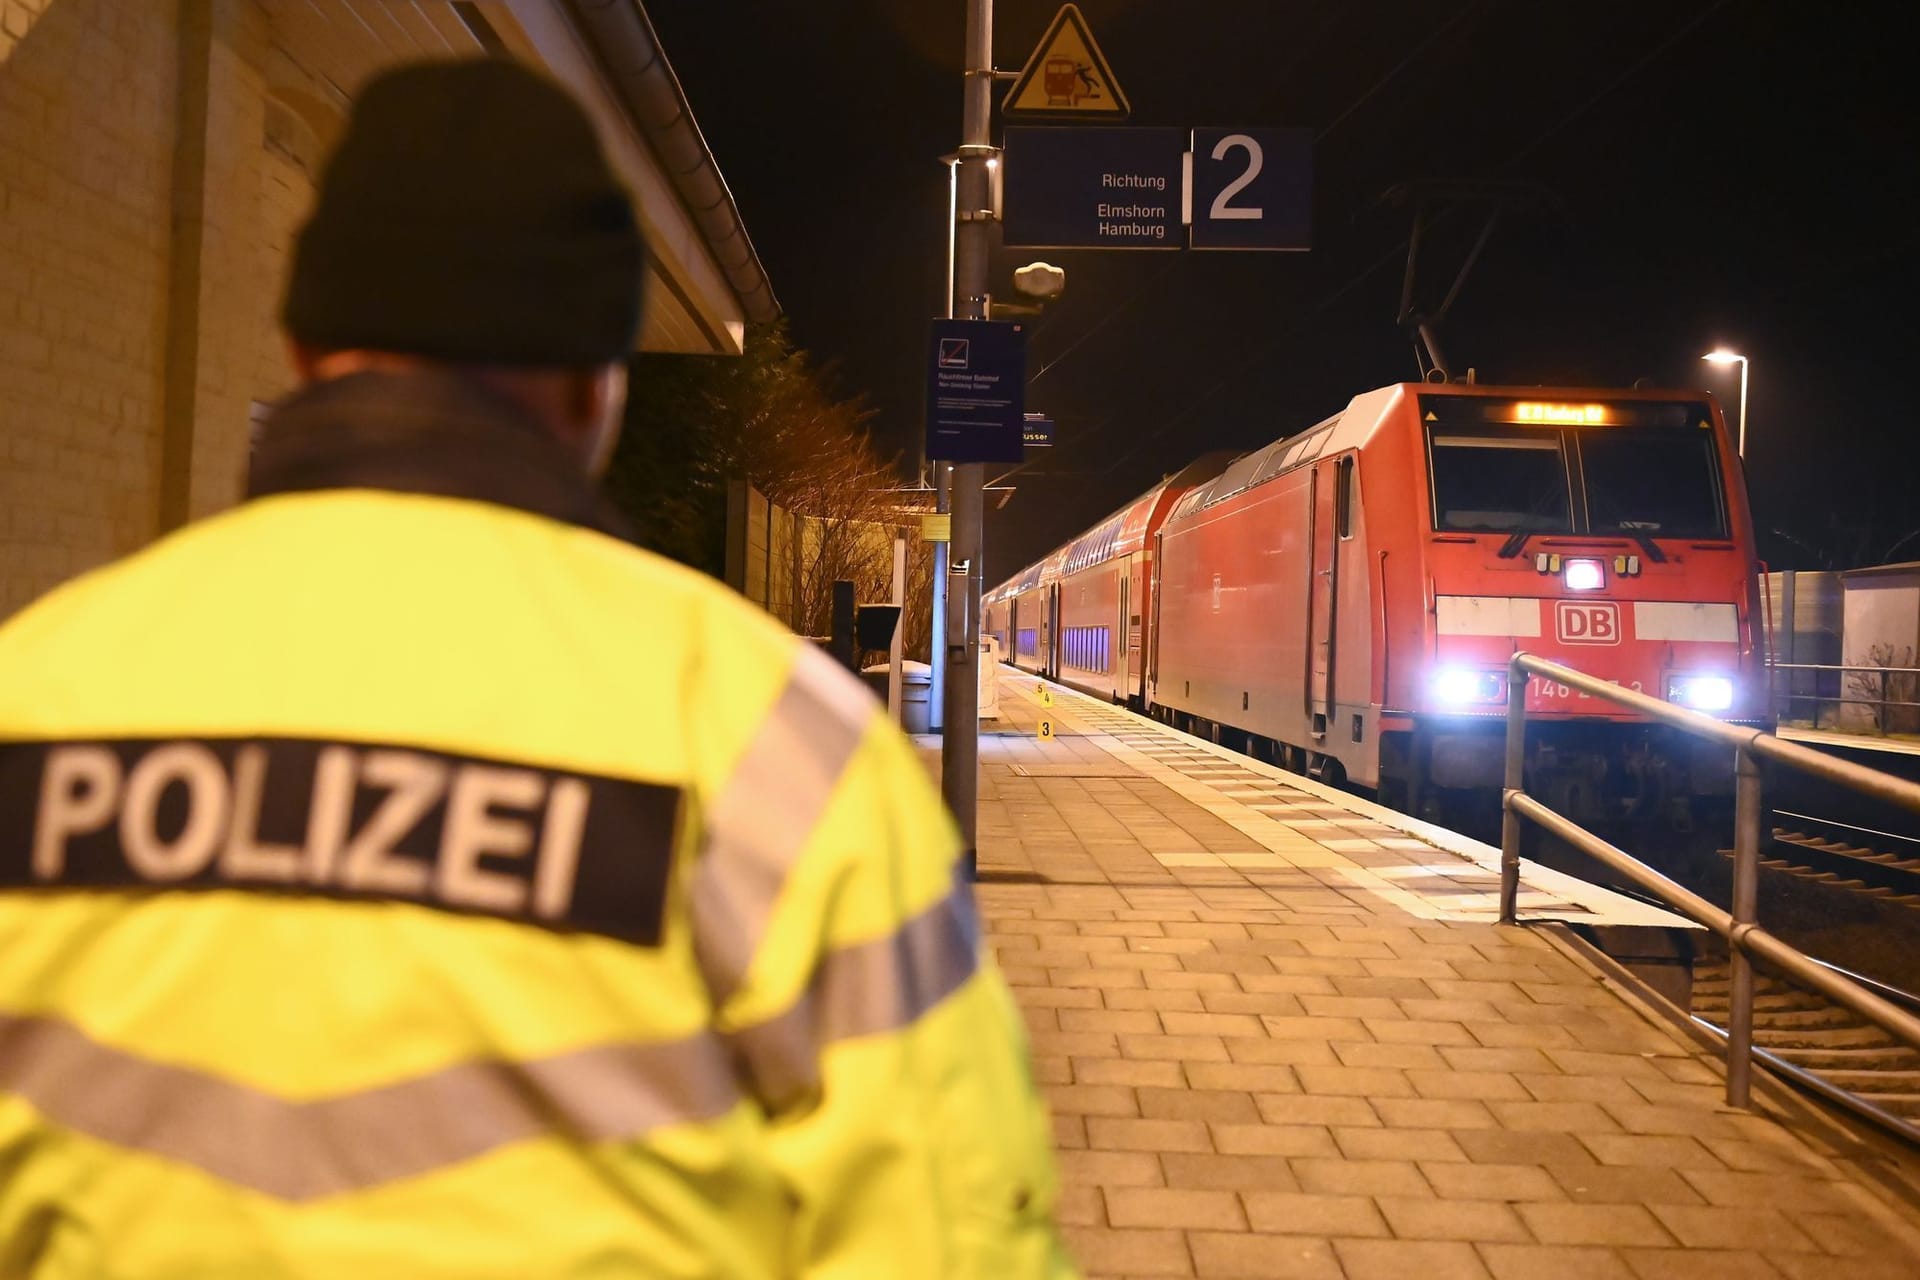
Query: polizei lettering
(550, 848)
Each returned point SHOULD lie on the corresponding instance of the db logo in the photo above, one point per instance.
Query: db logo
(1581, 622)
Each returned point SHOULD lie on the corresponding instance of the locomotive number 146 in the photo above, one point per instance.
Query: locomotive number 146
(1538, 688)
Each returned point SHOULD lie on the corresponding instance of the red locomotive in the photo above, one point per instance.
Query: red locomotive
(1344, 600)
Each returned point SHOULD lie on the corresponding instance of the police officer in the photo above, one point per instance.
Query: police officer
(400, 875)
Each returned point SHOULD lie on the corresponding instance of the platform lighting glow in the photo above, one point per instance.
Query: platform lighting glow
(1575, 414)
(1584, 575)
(1462, 685)
(1701, 693)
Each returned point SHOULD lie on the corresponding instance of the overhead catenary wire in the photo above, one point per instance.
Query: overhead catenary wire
(1606, 90)
(1267, 346)
(1300, 52)
(1259, 353)
(1141, 293)
(1412, 56)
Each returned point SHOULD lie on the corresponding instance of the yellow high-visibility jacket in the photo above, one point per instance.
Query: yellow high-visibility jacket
(402, 877)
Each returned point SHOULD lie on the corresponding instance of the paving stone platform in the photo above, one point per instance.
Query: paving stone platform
(1282, 1036)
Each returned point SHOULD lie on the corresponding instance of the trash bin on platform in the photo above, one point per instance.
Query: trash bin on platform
(916, 688)
(989, 677)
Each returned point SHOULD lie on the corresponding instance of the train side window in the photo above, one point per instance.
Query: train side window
(1344, 497)
(1272, 464)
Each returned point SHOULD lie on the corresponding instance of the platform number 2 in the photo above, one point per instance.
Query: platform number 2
(1251, 188)
(1223, 206)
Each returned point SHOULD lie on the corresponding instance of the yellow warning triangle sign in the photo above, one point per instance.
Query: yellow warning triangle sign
(1067, 76)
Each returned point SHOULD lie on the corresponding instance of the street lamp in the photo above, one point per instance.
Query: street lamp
(1723, 356)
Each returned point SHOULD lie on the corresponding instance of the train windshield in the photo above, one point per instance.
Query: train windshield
(1646, 480)
(1491, 480)
(1615, 469)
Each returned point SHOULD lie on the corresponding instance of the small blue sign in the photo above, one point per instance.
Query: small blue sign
(976, 391)
(1037, 432)
(1093, 188)
(1252, 189)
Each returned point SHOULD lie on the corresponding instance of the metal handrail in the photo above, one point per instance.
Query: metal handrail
(1893, 995)
(1825, 1088)
(1786, 691)
(1836, 666)
(1745, 939)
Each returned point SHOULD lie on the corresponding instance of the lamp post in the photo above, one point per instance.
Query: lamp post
(1723, 356)
(974, 168)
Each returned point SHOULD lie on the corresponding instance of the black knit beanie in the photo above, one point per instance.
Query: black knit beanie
(469, 216)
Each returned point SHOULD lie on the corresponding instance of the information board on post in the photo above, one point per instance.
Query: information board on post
(1252, 189)
(976, 391)
(1093, 187)
(1098, 187)
(1037, 431)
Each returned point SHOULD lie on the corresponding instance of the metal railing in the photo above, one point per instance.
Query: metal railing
(1746, 940)
(1824, 704)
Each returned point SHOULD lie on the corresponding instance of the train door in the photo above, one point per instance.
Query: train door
(1052, 654)
(1135, 636)
(1121, 680)
(1042, 629)
(1150, 628)
(1331, 481)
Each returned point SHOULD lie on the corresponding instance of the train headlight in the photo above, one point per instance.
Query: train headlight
(1469, 686)
(1583, 575)
(1701, 693)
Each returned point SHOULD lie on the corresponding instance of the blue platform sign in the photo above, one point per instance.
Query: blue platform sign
(976, 391)
(1252, 189)
(1093, 188)
(1037, 432)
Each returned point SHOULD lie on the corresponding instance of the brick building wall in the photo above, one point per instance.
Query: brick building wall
(86, 105)
(156, 159)
(118, 286)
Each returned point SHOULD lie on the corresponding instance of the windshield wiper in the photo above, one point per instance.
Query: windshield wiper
(1634, 530)
(1517, 542)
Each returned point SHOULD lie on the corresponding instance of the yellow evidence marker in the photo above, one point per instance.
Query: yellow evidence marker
(1046, 731)
(1046, 697)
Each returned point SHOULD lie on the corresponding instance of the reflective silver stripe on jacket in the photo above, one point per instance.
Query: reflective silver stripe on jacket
(305, 1150)
(768, 809)
(873, 986)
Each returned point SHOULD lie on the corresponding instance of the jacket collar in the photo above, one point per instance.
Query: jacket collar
(426, 432)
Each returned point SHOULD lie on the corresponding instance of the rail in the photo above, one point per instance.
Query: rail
(1807, 819)
(1813, 1083)
(1746, 940)
(1891, 696)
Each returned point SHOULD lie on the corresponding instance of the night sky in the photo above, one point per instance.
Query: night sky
(1710, 172)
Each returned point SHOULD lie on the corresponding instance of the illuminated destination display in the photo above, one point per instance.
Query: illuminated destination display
(1575, 414)
(1461, 409)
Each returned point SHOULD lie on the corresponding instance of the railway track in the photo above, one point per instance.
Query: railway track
(1846, 857)
(1817, 1036)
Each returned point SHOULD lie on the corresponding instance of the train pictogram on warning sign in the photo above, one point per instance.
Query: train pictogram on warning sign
(1067, 76)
